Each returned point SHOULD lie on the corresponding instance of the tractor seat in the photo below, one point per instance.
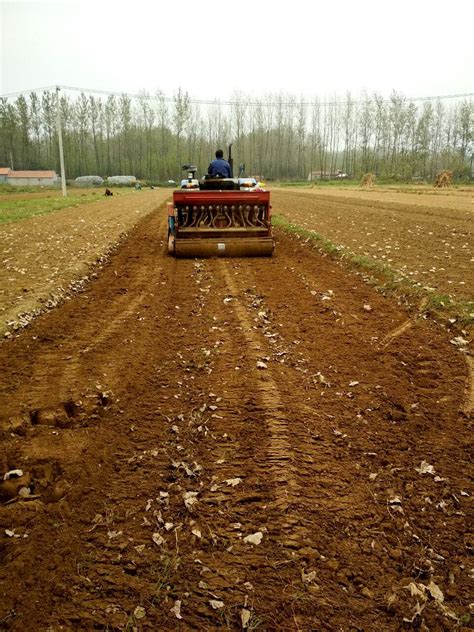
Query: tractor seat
(211, 183)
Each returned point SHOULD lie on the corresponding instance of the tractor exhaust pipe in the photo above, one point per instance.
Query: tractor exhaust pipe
(231, 161)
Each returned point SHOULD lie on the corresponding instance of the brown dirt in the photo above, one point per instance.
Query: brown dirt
(44, 255)
(147, 386)
(428, 239)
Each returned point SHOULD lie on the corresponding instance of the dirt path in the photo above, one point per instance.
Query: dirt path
(226, 442)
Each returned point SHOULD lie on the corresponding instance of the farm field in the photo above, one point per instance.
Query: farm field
(426, 236)
(43, 255)
(261, 444)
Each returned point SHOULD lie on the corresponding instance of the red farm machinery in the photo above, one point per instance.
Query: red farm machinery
(219, 217)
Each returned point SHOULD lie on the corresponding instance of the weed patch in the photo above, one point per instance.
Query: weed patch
(17, 210)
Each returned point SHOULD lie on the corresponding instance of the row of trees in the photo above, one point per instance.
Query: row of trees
(278, 136)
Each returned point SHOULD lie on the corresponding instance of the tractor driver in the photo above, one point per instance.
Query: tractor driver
(219, 167)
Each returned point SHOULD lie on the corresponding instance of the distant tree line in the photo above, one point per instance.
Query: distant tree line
(277, 136)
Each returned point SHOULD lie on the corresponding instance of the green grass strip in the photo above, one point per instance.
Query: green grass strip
(17, 210)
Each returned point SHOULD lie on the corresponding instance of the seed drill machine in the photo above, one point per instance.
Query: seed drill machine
(219, 217)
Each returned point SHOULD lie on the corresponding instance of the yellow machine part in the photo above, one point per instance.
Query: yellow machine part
(224, 247)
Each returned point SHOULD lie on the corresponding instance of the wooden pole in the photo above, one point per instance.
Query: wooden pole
(60, 140)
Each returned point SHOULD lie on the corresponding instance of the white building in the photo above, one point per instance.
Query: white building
(30, 178)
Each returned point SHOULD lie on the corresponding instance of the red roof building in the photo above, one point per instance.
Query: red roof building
(28, 178)
(32, 174)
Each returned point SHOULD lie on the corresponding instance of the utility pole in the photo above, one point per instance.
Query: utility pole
(60, 139)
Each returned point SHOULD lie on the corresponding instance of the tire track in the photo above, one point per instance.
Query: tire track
(468, 405)
(279, 451)
(72, 380)
(307, 453)
(402, 328)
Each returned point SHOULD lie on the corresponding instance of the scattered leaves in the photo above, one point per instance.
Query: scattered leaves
(176, 609)
(157, 539)
(233, 481)
(139, 612)
(425, 468)
(190, 499)
(245, 618)
(13, 474)
(254, 538)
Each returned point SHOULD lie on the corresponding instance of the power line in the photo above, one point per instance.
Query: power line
(22, 92)
(217, 102)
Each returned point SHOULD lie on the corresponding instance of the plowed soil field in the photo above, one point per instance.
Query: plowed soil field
(257, 444)
(426, 237)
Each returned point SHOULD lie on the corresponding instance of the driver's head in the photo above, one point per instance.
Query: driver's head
(219, 153)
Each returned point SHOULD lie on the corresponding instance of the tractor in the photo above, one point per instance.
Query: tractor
(219, 217)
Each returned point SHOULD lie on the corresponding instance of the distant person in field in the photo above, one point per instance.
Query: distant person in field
(219, 168)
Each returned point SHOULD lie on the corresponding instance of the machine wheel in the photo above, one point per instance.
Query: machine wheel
(170, 243)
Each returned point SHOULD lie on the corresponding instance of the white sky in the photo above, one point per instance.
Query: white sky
(416, 47)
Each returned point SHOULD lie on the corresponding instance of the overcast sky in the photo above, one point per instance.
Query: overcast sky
(212, 49)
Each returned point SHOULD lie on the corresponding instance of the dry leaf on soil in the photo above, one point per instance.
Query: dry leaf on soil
(176, 609)
(245, 617)
(139, 612)
(425, 468)
(254, 538)
(157, 539)
(233, 481)
(190, 499)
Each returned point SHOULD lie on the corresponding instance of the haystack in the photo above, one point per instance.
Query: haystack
(367, 180)
(444, 179)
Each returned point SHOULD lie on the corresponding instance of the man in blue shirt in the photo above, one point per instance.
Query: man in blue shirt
(219, 167)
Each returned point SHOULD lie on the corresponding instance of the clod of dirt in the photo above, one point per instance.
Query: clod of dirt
(397, 415)
(9, 488)
(18, 424)
(59, 490)
(45, 417)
